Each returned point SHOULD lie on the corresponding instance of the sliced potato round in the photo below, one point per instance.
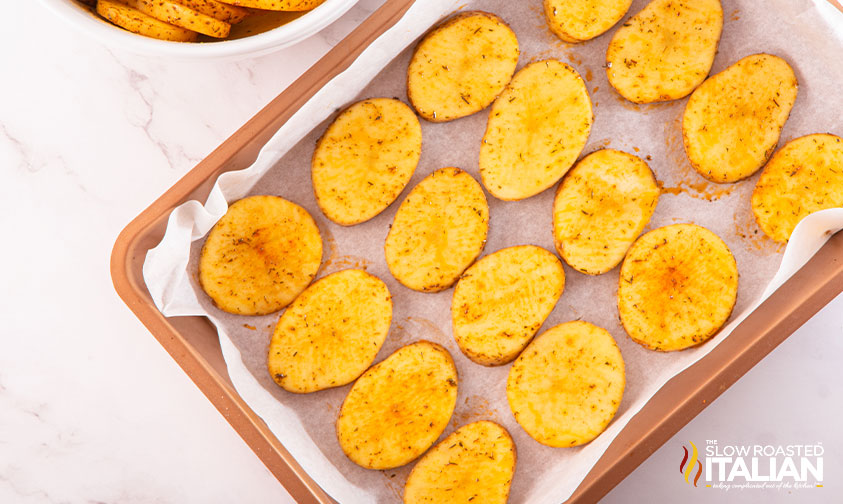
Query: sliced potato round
(331, 333)
(277, 5)
(537, 128)
(262, 254)
(473, 464)
(677, 287)
(178, 14)
(600, 209)
(136, 21)
(399, 407)
(365, 159)
(665, 51)
(502, 300)
(580, 20)
(803, 177)
(438, 231)
(219, 10)
(566, 386)
(461, 66)
(732, 122)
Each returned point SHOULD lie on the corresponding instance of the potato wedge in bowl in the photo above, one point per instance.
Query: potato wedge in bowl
(136, 21)
(204, 21)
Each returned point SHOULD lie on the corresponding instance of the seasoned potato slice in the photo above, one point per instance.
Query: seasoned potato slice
(600, 209)
(474, 464)
(580, 20)
(277, 5)
(399, 407)
(219, 10)
(365, 159)
(261, 255)
(677, 287)
(438, 231)
(460, 67)
(567, 385)
(502, 300)
(665, 51)
(331, 333)
(803, 177)
(537, 128)
(733, 120)
(136, 21)
(178, 14)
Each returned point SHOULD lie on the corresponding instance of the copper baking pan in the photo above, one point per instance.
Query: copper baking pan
(193, 342)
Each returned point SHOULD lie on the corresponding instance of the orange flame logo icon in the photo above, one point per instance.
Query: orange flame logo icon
(686, 467)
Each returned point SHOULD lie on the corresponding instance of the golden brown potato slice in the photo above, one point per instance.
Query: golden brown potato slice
(733, 120)
(365, 159)
(331, 333)
(277, 5)
(399, 407)
(803, 177)
(262, 254)
(474, 464)
(600, 209)
(175, 13)
(136, 21)
(438, 231)
(580, 20)
(460, 67)
(665, 51)
(219, 10)
(502, 300)
(677, 287)
(567, 385)
(537, 128)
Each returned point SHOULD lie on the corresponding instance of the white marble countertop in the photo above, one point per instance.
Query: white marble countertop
(93, 410)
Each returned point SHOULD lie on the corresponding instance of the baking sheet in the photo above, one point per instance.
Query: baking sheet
(305, 424)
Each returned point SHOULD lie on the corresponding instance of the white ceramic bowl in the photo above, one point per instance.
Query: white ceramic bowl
(254, 45)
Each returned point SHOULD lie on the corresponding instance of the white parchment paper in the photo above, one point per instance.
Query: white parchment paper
(798, 30)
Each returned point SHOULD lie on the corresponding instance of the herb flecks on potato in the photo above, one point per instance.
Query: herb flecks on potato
(331, 333)
(461, 66)
(473, 464)
(803, 177)
(732, 122)
(601, 207)
(438, 231)
(536, 130)
(502, 300)
(365, 159)
(665, 51)
(398, 408)
(566, 386)
(260, 255)
(677, 287)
